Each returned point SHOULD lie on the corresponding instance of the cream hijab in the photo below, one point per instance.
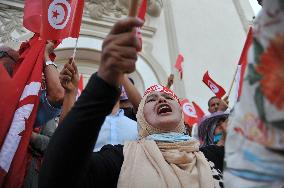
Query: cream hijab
(148, 163)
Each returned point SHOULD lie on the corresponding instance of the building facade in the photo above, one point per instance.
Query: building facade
(209, 34)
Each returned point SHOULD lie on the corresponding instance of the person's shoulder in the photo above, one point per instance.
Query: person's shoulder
(111, 149)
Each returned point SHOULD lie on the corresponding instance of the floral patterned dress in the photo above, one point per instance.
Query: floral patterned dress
(255, 142)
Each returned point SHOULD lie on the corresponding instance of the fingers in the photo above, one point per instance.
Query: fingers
(64, 78)
(119, 51)
(120, 57)
(67, 73)
(74, 67)
(124, 39)
(126, 25)
(49, 47)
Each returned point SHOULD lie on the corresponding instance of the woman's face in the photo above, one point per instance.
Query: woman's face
(162, 111)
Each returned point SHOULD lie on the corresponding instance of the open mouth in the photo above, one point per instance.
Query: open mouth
(163, 109)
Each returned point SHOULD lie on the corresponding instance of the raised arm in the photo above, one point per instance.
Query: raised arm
(132, 93)
(55, 91)
(71, 147)
(69, 78)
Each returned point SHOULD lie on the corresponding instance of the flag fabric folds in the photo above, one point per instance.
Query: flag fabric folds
(192, 112)
(54, 19)
(32, 15)
(178, 65)
(213, 86)
(243, 64)
(17, 116)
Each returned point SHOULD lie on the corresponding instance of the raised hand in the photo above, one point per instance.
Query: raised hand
(119, 51)
(69, 77)
(223, 104)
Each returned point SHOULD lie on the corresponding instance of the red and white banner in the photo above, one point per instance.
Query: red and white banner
(18, 109)
(161, 88)
(191, 111)
(242, 65)
(178, 65)
(213, 86)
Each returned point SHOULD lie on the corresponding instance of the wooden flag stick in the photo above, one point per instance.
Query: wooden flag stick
(75, 50)
(232, 83)
(133, 8)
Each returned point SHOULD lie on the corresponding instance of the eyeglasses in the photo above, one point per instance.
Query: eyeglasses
(5, 54)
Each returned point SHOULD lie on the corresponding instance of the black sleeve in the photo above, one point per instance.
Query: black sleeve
(104, 168)
(129, 112)
(71, 147)
(214, 154)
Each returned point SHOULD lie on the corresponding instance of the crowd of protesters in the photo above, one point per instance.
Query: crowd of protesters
(112, 136)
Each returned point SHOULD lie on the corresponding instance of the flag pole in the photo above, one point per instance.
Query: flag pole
(232, 83)
(133, 8)
(75, 50)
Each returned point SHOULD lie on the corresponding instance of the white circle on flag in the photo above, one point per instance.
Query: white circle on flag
(213, 87)
(59, 14)
(189, 110)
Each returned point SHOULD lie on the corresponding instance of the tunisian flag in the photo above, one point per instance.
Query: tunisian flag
(54, 19)
(243, 64)
(178, 65)
(215, 88)
(192, 112)
(18, 109)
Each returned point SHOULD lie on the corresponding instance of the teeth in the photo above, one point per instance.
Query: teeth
(163, 107)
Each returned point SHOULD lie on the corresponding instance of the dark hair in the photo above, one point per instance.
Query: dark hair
(9, 66)
(214, 97)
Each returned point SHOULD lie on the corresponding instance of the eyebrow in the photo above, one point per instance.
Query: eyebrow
(151, 96)
(166, 95)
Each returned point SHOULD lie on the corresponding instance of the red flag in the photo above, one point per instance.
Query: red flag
(141, 15)
(243, 64)
(192, 112)
(142, 10)
(178, 65)
(215, 88)
(80, 86)
(17, 117)
(32, 15)
(61, 18)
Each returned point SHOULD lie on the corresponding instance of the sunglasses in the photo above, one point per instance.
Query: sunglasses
(5, 54)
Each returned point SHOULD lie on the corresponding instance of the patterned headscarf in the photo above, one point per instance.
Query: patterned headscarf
(145, 129)
(207, 125)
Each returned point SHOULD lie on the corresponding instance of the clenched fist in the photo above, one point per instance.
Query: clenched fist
(119, 53)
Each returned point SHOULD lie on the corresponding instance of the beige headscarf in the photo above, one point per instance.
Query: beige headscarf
(159, 164)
